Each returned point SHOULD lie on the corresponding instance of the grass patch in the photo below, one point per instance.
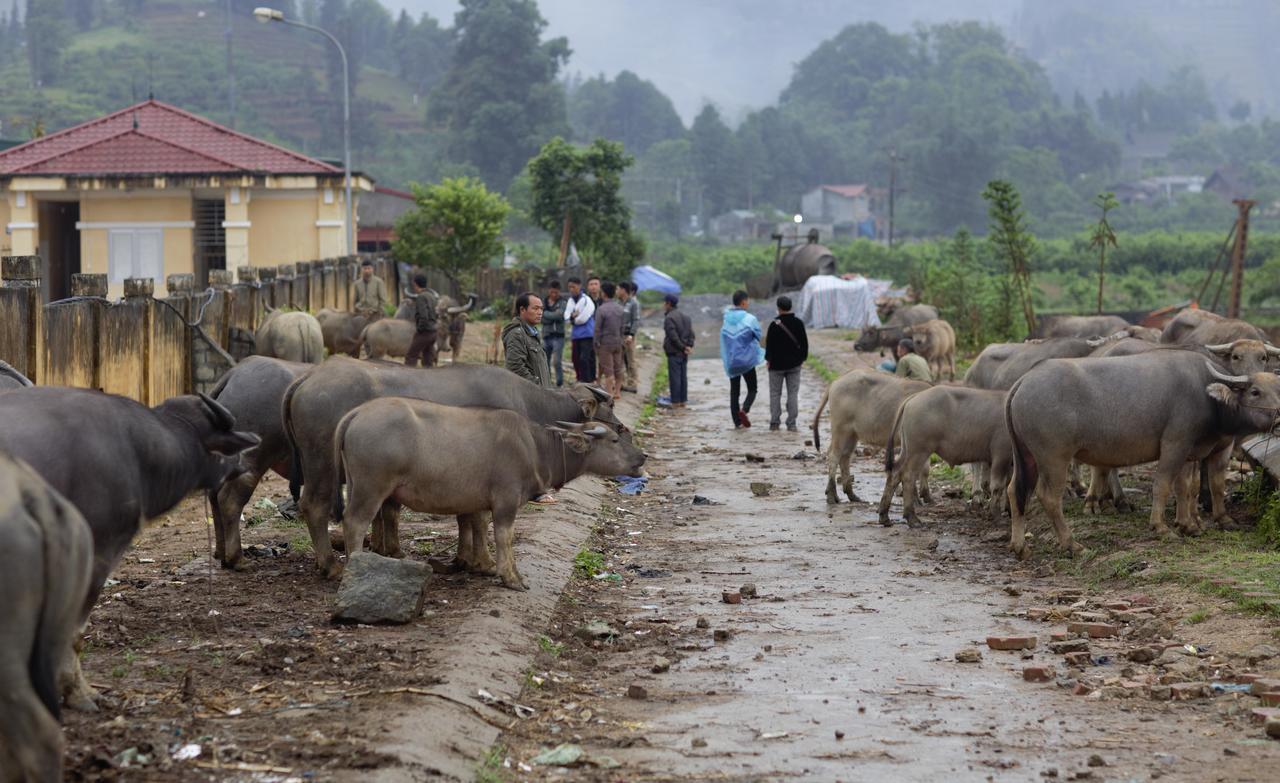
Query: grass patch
(301, 543)
(491, 769)
(821, 369)
(944, 472)
(552, 648)
(586, 564)
(650, 408)
(1198, 616)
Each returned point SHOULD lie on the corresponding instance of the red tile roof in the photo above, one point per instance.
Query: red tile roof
(153, 139)
(848, 191)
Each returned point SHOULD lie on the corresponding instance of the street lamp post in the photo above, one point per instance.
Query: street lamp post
(267, 15)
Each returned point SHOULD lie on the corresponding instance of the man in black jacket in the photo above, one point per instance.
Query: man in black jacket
(425, 316)
(786, 346)
(677, 344)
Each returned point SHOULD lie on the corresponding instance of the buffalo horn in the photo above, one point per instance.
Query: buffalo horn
(1223, 348)
(596, 431)
(455, 310)
(471, 302)
(221, 416)
(572, 426)
(600, 394)
(1094, 342)
(1230, 380)
(1272, 350)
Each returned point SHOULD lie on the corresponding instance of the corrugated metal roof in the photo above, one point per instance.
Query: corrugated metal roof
(152, 139)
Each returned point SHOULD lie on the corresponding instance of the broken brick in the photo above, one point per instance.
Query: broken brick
(1038, 673)
(1270, 698)
(1094, 630)
(1264, 685)
(1262, 714)
(1011, 642)
(1181, 691)
(1079, 659)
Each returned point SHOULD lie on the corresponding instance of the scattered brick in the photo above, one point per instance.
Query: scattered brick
(1181, 691)
(1089, 617)
(1081, 689)
(1069, 646)
(1037, 613)
(731, 597)
(1140, 599)
(1094, 630)
(1011, 642)
(1263, 714)
(1264, 685)
(1079, 659)
(1038, 674)
(1117, 606)
(1270, 698)
(1061, 636)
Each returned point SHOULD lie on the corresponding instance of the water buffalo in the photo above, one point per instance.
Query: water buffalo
(441, 459)
(1170, 407)
(315, 403)
(10, 378)
(453, 325)
(893, 330)
(863, 404)
(981, 374)
(961, 426)
(252, 391)
(45, 566)
(1034, 353)
(1085, 326)
(294, 336)
(936, 341)
(390, 336)
(119, 463)
(1202, 327)
(341, 331)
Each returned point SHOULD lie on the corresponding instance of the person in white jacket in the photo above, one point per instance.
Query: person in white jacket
(580, 311)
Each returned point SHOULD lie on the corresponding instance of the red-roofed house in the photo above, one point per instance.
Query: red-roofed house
(153, 190)
(852, 209)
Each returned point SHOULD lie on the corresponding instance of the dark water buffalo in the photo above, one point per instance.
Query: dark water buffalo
(1168, 407)
(119, 463)
(863, 405)
(960, 425)
(1085, 326)
(252, 391)
(341, 331)
(315, 403)
(894, 329)
(45, 565)
(453, 325)
(294, 336)
(441, 459)
(390, 336)
(1202, 327)
(10, 378)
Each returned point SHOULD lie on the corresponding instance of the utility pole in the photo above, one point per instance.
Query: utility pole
(231, 75)
(893, 187)
(1237, 255)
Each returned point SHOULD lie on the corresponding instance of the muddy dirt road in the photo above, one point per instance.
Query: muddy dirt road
(843, 666)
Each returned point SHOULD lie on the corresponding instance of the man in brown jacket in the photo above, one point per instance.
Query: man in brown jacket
(370, 293)
(609, 340)
(522, 345)
(424, 321)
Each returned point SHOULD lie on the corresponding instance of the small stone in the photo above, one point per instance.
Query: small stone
(1142, 654)
(1037, 613)
(1264, 685)
(702, 622)
(839, 734)
(1273, 728)
(698, 742)
(637, 691)
(1183, 691)
(1011, 642)
(1117, 606)
(969, 655)
(596, 629)
(1051, 772)
(753, 457)
(1270, 698)
(1161, 693)
(748, 590)
(495, 613)
(1094, 630)
(1263, 714)
(377, 589)
(1038, 673)
(1081, 689)
(1260, 653)
(720, 635)
(1079, 659)
(1060, 636)
(1088, 617)
(1097, 761)
(1069, 646)
(761, 488)
(731, 597)
(660, 665)
(1013, 591)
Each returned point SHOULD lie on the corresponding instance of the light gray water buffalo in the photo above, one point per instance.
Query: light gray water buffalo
(10, 378)
(863, 405)
(960, 425)
(1202, 327)
(390, 336)
(252, 391)
(441, 459)
(341, 331)
(292, 335)
(1168, 407)
(315, 403)
(936, 341)
(453, 325)
(887, 336)
(119, 463)
(45, 566)
(981, 374)
(1084, 326)
(1034, 353)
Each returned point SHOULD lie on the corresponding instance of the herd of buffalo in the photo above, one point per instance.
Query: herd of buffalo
(82, 471)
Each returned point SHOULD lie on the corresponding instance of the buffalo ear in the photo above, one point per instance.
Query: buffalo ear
(589, 406)
(1221, 394)
(230, 443)
(577, 443)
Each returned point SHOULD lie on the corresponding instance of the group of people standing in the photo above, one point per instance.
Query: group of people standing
(371, 302)
(599, 322)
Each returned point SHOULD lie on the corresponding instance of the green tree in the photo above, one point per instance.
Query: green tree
(713, 158)
(456, 228)
(47, 35)
(577, 194)
(1012, 241)
(627, 109)
(499, 102)
(1103, 237)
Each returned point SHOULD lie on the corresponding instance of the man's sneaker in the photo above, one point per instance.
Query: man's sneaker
(792, 428)
(743, 420)
(774, 427)
(631, 389)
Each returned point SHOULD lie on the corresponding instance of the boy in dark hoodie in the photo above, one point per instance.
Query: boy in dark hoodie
(786, 346)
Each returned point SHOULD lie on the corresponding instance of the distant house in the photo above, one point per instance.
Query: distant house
(152, 190)
(741, 225)
(1162, 188)
(377, 213)
(853, 210)
(1230, 182)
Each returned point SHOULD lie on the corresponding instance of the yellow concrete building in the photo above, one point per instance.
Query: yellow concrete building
(152, 190)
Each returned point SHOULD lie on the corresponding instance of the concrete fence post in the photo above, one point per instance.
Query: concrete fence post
(180, 284)
(21, 271)
(21, 315)
(85, 284)
(247, 274)
(220, 279)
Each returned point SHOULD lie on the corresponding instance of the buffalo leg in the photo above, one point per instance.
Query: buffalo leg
(1167, 470)
(1217, 464)
(914, 469)
(1121, 501)
(227, 508)
(1052, 484)
(386, 531)
(314, 506)
(1186, 491)
(481, 561)
(838, 456)
(504, 534)
(364, 504)
(891, 482)
(999, 479)
(1017, 526)
(77, 694)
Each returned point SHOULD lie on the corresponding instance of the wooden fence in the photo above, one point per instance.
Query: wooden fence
(141, 346)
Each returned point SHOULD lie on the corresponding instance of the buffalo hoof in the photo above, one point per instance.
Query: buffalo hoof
(833, 498)
(332, 570)
(1020, 550)
(1092, 506)
(914, 522)
(81, 698)
(884, 520)
(514, 582)
(238, 563)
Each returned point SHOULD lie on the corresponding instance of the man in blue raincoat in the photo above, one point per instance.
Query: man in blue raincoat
(741, 353)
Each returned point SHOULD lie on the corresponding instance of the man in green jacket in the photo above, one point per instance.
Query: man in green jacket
(523, 346)
(911, 365)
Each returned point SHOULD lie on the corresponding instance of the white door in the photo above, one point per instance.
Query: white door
(136, 252)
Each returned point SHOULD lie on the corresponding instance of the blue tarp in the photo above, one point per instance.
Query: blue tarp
(647, 278)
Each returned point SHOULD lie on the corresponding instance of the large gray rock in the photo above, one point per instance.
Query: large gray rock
(377, 589)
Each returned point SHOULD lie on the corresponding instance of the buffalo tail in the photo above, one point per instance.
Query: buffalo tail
(893, 437)
(1025, 470)
(339, 466)
(817, 441)
(295, 467)
(43, 664)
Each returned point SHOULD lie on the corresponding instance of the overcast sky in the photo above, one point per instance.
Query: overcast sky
(737, 54)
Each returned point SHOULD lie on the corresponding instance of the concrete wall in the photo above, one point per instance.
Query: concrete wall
(171, 211)
(283, 228)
